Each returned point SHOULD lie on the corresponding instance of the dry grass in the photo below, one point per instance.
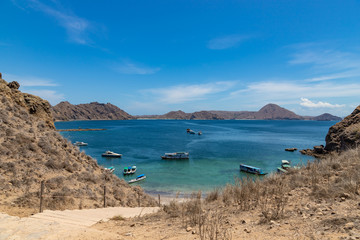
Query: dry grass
(335, 178)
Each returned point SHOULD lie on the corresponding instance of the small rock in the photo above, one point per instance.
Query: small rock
(345, 195)
(243, 221)
(128, 234)
(188, 229)
(132, 225)
(349, 225)
(247, 230)
(193, 232)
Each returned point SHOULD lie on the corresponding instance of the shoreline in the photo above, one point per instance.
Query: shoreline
(81, 129)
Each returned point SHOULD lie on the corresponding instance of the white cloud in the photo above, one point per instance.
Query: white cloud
(52, 96)
(307, 103)
(127, 67)
(226, 42)
(186, 93)
(30, 81)
(327, 63)
(76, 27)
(290, 91)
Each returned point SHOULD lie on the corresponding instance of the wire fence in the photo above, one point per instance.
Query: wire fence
(43, 196)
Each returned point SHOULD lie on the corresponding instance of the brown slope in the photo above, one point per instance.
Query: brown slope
(65, 111)
(31, 151)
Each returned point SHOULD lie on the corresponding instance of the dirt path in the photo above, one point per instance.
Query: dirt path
(63, 224)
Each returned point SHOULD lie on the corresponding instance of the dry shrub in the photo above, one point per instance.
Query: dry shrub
(273, 198)
(213, 196)
(55, 182)
(212, 226)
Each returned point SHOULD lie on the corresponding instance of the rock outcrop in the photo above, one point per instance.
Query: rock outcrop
(32, 151)
(345, 134)
(342, 136)
(66, 111)
(33, 104)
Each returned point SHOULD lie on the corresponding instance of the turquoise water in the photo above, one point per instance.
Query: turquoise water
(214, 156)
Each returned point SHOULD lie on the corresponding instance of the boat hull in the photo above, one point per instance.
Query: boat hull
(251, 169)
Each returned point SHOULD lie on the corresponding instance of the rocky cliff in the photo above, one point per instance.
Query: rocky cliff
(66, 111)
(32, 151)
(342, 136)
(345, 134)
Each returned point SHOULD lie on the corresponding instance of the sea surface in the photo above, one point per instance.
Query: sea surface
(214, 156)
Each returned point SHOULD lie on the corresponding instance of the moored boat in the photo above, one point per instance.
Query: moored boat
(80, 144)
(110, 169)
(251, 169)
(290, 149)
(129, 170)
(176, 155)
(111, 154)
(138, 178)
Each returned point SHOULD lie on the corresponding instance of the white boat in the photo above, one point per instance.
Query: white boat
(110, 169)
(80, 144)
(176, 155)
(111, 154)
(138, 178)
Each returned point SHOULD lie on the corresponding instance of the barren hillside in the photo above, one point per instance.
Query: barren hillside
(31, 151)
(66, 111)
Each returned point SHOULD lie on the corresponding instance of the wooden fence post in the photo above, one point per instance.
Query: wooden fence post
(104, 196)
(139, 198)
(41, 195)
(159, 200)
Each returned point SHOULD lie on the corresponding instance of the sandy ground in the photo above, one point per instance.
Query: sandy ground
(68, 224)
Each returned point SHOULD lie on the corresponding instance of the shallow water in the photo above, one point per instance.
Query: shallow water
(214, 156)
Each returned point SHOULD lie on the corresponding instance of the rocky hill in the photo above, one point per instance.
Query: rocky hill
(32, 151)
(268, 112)
(66, 111)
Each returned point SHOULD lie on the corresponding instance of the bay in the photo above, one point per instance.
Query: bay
(214, 156)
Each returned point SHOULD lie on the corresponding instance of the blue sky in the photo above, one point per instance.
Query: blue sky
(150, 57)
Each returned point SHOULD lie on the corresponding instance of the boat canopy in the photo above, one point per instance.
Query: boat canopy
(285, 162)
(251, 167)
(142, 175)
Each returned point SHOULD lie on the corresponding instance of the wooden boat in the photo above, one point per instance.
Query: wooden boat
(80, 144)
(110, 169)
(111, 154)
(176, 155)
(138, 178)
(251, 169)
(281, 170)
(129, 170)
(285, 166)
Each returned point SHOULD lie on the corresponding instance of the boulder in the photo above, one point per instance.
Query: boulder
(13, 85)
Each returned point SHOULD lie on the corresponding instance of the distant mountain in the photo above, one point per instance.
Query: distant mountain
(268, 112)
(326, 117)
(180, 115)
(66, 111)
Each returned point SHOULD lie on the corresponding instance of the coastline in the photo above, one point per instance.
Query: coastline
(80, 129)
